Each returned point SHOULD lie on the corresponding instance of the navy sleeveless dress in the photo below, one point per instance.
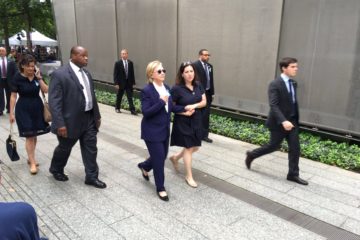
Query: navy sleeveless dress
(29, 109)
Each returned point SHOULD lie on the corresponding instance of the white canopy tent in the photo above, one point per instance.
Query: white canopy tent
(37, 38)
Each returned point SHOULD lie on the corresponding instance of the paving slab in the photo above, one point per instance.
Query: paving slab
(129, 208)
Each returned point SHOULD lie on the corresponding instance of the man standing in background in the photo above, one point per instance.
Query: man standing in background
(7, 71)
(205, 72)
(124, 79)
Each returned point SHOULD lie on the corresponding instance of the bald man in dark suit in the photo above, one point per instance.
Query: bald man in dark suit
(75, 116)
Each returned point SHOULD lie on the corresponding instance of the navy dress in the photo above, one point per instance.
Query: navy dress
(187, 130)
(29, 110)
(18, 221)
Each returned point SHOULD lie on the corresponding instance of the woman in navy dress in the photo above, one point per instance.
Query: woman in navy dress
(29, 107)
(187, 130)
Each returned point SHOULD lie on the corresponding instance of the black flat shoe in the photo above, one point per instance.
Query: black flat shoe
(206, 139)
(164, 198)
(146, 177)
(248, 160)
(134, 113)
(117, 111)
(96, 183)
(60, 177)
(297, 179)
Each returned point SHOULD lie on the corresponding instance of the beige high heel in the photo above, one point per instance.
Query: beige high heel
(33, 169)
(191, 183)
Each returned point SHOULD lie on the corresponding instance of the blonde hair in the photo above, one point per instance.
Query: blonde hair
(150, 69)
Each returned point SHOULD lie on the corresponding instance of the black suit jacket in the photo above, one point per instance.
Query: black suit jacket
(201, 75)
(281, 106)
(11, 70)
(67, 101)
(120, 76)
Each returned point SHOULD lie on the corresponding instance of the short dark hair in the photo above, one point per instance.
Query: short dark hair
(179, 78)
(25, 60)
(286, 61)
(202, 50)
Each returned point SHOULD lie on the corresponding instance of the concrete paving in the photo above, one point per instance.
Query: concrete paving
(231, 202)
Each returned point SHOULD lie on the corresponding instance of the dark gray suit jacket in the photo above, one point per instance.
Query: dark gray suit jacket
(11, 70)
(201, 75)
(281, 104)
(120, 75)
(67, 101)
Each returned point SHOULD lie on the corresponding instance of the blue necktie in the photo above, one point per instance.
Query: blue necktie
(293, 110)
(206, 68)
(290, 91)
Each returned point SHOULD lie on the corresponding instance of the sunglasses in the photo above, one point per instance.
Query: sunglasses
(161, 70)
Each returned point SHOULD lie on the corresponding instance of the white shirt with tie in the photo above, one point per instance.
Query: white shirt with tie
(3, 59)
(78, 74)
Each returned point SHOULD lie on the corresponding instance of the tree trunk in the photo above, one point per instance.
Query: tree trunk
(6, 33)
(28, 20)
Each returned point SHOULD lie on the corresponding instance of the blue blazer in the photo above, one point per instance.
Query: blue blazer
(155, 125)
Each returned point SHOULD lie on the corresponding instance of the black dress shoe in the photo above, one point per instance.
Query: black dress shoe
(60, 177)
(297, 179)
(117, 110)
(133, 113)
(96, 183)
(206, 139)
(146, 177)
(164, 198)
(248, 160)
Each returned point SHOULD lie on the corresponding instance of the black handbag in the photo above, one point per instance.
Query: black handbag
(11, 146)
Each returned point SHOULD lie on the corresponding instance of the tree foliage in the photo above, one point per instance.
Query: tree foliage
(16, 15)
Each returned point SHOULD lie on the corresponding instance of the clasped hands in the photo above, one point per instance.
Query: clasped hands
(189, 109)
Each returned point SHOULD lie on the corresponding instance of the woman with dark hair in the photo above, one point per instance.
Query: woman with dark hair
(29, 111)
(187, 130)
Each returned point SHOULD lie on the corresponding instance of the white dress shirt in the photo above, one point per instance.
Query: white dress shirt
(78, 74)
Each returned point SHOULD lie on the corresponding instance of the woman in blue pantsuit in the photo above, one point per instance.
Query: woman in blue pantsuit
(156, 107)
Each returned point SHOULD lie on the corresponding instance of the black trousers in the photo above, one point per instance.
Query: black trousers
(276, 138)
(88, 141)
(158, 152)
(129, 95)
(206, 115)
(4, 86)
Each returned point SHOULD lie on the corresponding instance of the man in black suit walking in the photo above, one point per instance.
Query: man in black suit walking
(205, 73)
(8, 69)
(124, 79)
(283, 119)
(75, 116)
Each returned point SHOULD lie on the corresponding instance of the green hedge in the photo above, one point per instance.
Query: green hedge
(312, 147)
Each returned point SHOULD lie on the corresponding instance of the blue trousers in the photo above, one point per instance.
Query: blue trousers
(158, 152)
